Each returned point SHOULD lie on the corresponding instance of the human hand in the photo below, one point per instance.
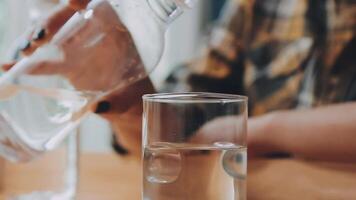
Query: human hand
(261, 137)
(261, 140)
(93, 50)
(46, 19)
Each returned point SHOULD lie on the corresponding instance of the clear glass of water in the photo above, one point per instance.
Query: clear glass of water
(194, 146)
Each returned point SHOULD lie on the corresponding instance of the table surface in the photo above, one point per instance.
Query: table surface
(106, 176)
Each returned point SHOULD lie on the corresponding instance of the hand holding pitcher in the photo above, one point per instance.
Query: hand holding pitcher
(99, 51)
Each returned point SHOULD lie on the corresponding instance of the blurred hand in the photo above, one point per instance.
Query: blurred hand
(92, 49)
(95, 52)
(260, 137)
(50, 24)
(227, 128)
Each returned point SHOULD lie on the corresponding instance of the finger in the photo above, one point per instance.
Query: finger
(21, 47)
(27, 47)
(51, 25)
(225, 128)
(122, 100)
(61, 15)
(78, 4)
(24, 44)
(7, 66)
(44, 32)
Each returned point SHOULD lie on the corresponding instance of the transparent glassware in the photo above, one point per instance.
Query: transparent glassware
(57, 180)
(102, 49)
(187, 155)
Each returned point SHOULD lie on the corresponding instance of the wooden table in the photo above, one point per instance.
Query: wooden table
(110, 177)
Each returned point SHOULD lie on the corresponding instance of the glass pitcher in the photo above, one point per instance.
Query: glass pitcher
(15, 183)
(104, 48)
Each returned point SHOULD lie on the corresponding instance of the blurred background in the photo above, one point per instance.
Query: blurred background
(191, 28)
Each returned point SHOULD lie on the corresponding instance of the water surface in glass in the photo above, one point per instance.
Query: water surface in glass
(194, 147)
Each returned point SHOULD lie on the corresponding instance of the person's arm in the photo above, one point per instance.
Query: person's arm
(326, 133)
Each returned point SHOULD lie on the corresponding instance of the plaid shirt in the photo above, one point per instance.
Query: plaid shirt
(283, 54)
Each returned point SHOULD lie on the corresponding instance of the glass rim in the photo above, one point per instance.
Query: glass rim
(194, 97)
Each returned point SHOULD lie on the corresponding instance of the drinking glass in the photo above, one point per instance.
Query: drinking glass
(194, 146)
(54, 176)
